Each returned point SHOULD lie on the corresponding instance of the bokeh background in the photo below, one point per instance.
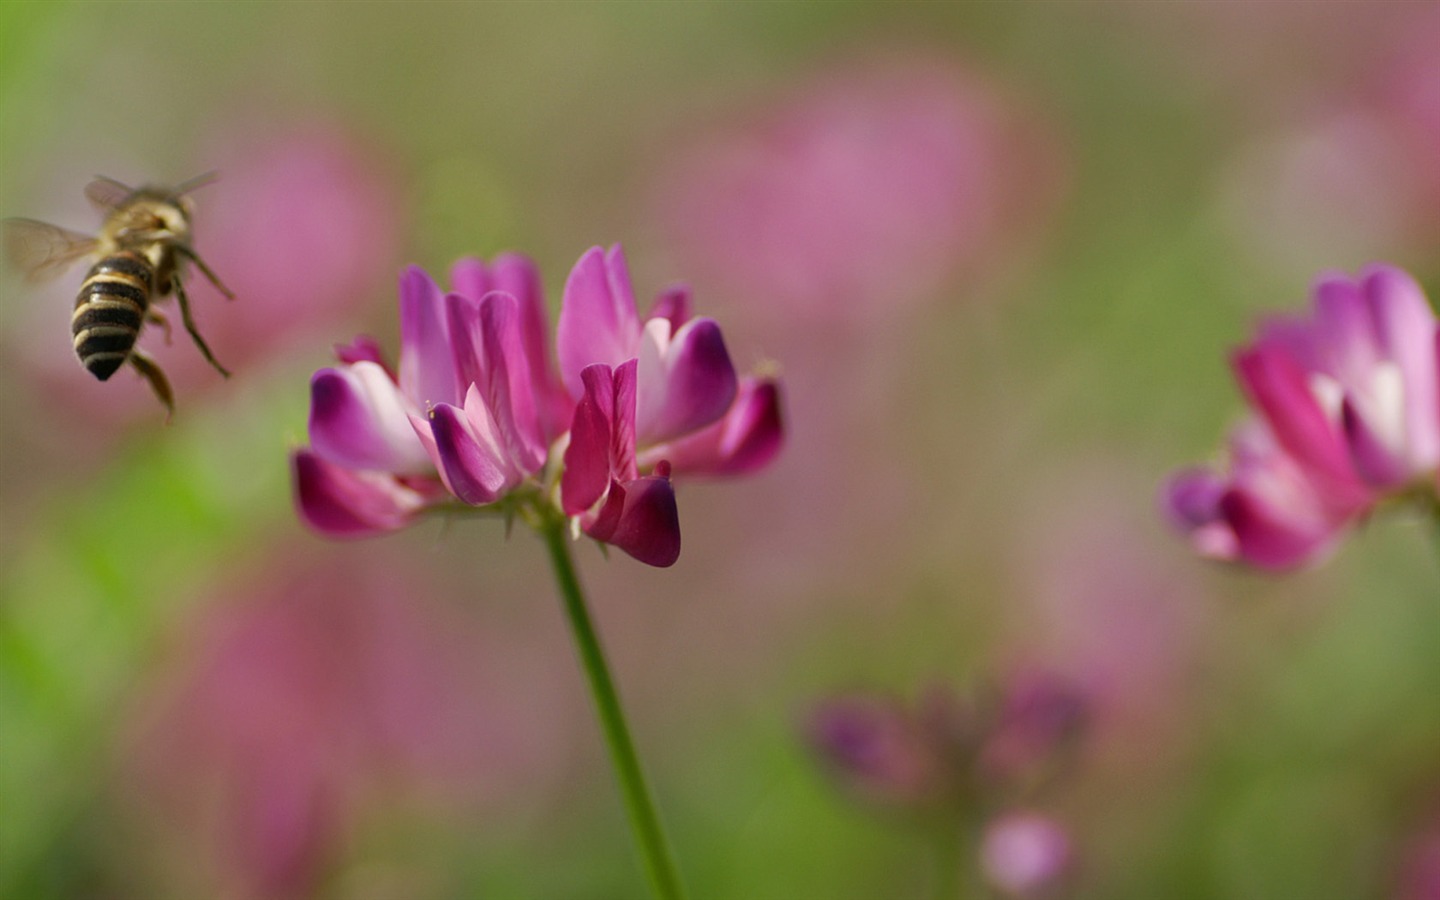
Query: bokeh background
(999, 252)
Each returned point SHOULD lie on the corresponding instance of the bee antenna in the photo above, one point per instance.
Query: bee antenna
(194, 184)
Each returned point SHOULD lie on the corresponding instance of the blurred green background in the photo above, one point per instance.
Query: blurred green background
(970, 481)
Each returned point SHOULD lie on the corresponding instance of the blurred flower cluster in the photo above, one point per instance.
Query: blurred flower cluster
(477, 412)
(861, 192)
(306, 701)
(1348, 416)
(965, 760)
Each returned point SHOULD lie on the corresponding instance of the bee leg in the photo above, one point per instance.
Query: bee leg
(158, 382)
(156, 316)
(194, 333)
(209, 273)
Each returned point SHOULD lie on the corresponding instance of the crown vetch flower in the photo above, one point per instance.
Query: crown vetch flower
(1347, 405)
(478, 412)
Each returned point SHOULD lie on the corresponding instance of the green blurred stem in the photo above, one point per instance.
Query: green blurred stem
(957, 854)
(644, 822)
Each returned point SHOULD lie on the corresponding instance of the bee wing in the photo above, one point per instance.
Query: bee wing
(107, 194)
(41, 250)
(194, 184)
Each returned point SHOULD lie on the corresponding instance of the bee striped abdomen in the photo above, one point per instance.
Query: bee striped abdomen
(109, 311)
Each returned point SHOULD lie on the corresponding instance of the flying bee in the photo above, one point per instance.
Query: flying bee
(140, 250)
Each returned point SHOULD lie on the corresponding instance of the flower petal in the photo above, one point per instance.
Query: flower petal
(598, 320)
(673, 304)
(745, 440)
(517, 276)
(470, 277)
(1278, 387)
(427, 366)
(474, 466)
(359, 420)
(1373, 457)
(1191, 502)
(365, 349)
(587, 458)
(1407, 332)
(340, 502)
(640, 517)
(686, 381)
(1271, 537)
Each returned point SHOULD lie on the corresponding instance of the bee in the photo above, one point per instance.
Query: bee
(140, 251)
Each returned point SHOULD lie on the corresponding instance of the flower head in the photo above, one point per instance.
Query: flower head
(1347, 414)
(951, 747)
(477, 412)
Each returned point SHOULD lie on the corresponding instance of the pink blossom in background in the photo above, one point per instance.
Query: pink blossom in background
(1418, 877)
(304, 699)
(1106, 608)
(826, 215)
(971, 751)
(1355, 173)
(1347, 413)
(857, 194)
(303, 225)
(1026, 854)
(475, 408)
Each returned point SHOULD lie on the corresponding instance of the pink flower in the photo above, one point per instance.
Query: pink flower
(1025, 853)
(1347, 406)
(477, 411)
(950, 748)
(863, 190)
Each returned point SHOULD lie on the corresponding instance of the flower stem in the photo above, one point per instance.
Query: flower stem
(644, 822)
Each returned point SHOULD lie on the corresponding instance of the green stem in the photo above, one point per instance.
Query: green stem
(644, 822)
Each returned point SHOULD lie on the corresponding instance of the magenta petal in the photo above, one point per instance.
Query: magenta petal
(587, 459)
(1343, 329)
(640, 517)
(427, 367)
(1407, 332)
(1191, 502)
(673, 305)
(462, 323)
(338, 502)
(358, 420)
(598, 321)
(471, 278)
(472, 469)
(1269, 538)
(363, 349)
(507, 386)
(1375, 462)
(1277, 386)
(517, 276)
(685, 386)
(745, 440)
(623, 463)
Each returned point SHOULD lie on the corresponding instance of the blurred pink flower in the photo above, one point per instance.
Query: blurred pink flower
(951, 750)
(881, 751)
(309, 695)
(1356, 172)
(1026, 854)
(1348, 414)
(476, 409)
(861, 192)
(1419, 872)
